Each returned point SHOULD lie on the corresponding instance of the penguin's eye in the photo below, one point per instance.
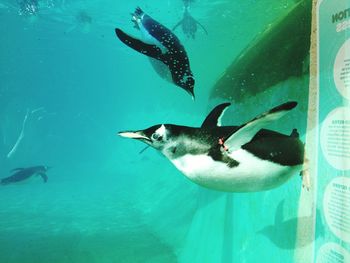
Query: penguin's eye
(156, 136)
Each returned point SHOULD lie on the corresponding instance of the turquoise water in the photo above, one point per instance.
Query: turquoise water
(105, 202)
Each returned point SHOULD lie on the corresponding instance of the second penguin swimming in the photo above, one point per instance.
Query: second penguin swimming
(160, 43)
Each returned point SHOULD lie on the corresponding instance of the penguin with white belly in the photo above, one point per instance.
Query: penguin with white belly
(245, 158)
(160, 43)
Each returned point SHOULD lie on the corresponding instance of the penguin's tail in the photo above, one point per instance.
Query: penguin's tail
(294, 134)
(136, 17)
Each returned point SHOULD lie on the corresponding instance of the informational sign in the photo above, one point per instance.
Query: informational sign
(332, 252)
(333, 176)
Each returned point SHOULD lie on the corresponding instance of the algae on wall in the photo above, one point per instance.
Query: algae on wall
(280, 52)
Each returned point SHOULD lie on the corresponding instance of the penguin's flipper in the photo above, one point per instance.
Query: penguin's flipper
(206, 32)
(44, 176)
(247, 131)
(149, 50)
(17, 169)
(179, 23)
(214, 117)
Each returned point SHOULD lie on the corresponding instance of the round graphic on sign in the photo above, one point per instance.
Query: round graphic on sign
(336, 205)
(335, 138)
(341, 70)
(332, 252)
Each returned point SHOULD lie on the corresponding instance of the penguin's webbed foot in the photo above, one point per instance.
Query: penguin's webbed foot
(306, 179)
(138, 11)
(305, 174)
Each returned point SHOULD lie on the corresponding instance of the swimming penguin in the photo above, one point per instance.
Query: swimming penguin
(22, 174)
(158, 42)
(189, 24)
(243, 158)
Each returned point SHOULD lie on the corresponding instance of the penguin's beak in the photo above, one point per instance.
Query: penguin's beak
(138, 135)
(193, 97)
(191, 94)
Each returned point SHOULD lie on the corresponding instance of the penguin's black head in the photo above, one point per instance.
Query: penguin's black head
(189, 85)
(47, 168)
(43, 168)
(156, 136)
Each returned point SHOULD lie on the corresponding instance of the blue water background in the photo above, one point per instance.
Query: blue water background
(105, 202)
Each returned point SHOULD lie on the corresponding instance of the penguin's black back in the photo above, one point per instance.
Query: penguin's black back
(164, 35)
(277, 148)
(266, 144)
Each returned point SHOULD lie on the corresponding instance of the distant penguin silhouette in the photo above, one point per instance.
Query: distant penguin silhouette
(160, 43)
(187, 2)
(22, 174)
(83, 17)
(189, 25)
